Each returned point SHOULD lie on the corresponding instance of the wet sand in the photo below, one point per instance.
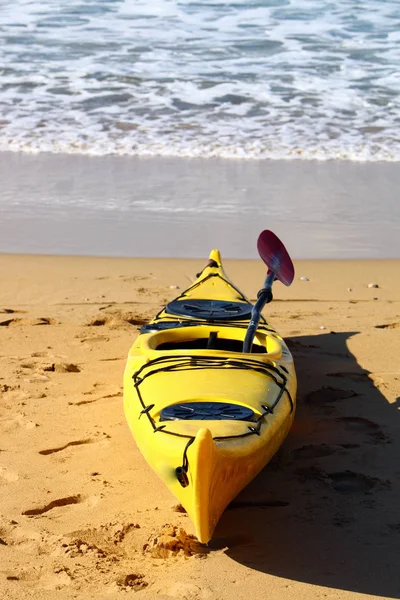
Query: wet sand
(83, 516)
(128, 206)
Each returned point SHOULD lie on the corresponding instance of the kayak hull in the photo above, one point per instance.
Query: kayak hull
(206, 416)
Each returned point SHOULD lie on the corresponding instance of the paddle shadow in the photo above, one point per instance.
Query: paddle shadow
(325, 511)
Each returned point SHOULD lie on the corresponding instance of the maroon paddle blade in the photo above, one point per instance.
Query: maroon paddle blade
(275, 256)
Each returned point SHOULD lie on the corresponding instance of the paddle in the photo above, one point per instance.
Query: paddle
(280, 266)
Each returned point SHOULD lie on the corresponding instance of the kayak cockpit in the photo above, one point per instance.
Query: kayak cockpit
(205, 339)
(213, 342)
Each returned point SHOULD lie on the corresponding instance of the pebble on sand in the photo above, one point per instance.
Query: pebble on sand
(304, 278)
(373, 285)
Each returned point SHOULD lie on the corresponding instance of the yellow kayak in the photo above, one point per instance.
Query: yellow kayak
(207, 416)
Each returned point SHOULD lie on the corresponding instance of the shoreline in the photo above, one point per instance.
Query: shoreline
(192, 259)
(124, 206)
(295, 157)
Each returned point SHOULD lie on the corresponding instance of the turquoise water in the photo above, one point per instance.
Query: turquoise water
(248, 78)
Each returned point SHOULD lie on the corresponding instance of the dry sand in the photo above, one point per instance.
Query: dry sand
(83, 516)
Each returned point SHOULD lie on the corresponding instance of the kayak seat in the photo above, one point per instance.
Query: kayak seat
(212, 340)
(207, 411)
(210, 310)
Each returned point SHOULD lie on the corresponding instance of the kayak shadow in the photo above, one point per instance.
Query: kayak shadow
(324, 511)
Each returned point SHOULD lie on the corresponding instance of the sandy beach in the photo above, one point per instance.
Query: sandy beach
(135, 137)
(83, 516)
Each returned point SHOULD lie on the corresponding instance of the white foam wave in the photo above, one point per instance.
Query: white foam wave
(287, 80)
(251, 151)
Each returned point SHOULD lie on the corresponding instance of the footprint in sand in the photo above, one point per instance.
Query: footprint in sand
(345, 482)
(67, 368)
(346, 432)
(81, 402)
(82, 442)
(363, 426)
(26, 540)
(29, 322)
(8, 424)
(97, 322)
(102, 555)
(66, 501)
(186, 591)
(395, 325)
(43, 321)
(68, 445)
(50, 368)
(8, 476)
(312, 451)
(28, 365)
(109, 541)
(327, 395)
(349, 482)
(59, 578)
(117, 319)
(358, 377)
(8, 322)
(62, 368)
(95, 339)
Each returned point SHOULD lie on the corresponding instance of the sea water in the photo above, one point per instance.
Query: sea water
(202, 78)
(165, 127)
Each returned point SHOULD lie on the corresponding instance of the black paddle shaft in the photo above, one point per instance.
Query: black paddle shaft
(264, 296)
